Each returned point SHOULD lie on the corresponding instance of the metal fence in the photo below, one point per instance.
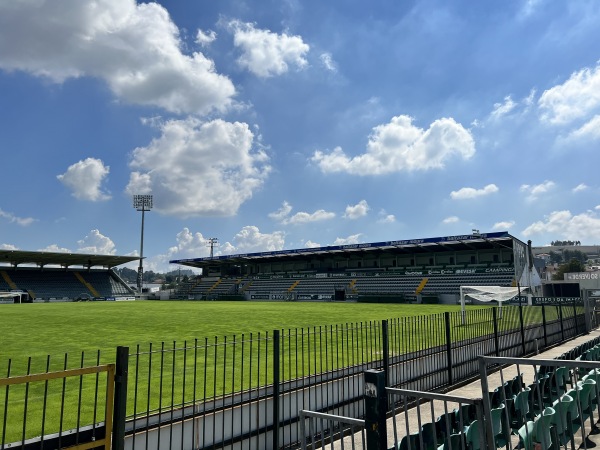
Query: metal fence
(247, 391)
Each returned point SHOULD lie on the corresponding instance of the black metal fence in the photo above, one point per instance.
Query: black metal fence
(247, 391)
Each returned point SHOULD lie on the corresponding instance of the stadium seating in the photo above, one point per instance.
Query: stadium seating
(67, 284)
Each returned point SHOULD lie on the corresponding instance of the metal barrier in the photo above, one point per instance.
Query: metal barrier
(324, 429)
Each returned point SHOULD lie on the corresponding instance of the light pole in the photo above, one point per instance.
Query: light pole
(212, 243)
(142, 203)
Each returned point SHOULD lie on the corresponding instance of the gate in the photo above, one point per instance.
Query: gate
(27, 424)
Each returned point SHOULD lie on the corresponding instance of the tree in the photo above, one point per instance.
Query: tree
(555, 257)
(573, 265)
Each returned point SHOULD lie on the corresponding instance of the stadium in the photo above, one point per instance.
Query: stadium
(424, 270)
(416, 270)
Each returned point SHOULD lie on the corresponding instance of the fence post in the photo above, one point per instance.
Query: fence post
(496, 339)
(544, 323)
(522, 327)
(386, 351)
(562, 325)
(276, 380)
(375, 410)
(575, 317)
(448, 347)
(120, 403)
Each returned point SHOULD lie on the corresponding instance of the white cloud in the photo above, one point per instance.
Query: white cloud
(502, 109)
(536, 190)
(353, 239)
(451, 219)
(327, 61)
(311, 244)
(54, 248)
(575, 98)
(22, 221)
(584, 226)
(356, 211)
(84, 179)
(250, 239)
(282, 212)
(199, 168)
(400, 146)
(265, 53)
(205, 38)
(468, 192)
(135, 48)
(502, 226)
(96, 243)
(580, 187)
(589, 130)
(304, 217)
(384, 217)
(8, 247)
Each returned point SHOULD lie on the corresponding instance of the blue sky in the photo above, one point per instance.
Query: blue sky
(284, 124)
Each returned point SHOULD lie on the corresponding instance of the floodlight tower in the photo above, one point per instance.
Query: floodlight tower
(212, 243)
(142, 203)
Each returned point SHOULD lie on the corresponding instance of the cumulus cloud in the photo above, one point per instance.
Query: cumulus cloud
(589, 130)
(266, 54)
(96, 243)
(468, 192)
(84, 179)
(199, 168)
(205, 38)
(22, 221)
(502, 109)
(566, 225)
(8, 247)
(534, 191)
(135, 48)
(580, 187)
(451, 219)
(400, 146)
(250, 239)
(352, 239)
(54, 248)
(304, 217)
(282, 212)
(356, 211)
(311, 244)
(501, 226)
(327, 61)
(575, 98)
(384, 217)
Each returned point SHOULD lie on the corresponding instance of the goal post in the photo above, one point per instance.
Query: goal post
(498, 294)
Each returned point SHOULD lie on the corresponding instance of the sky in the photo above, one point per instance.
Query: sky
(288, 124)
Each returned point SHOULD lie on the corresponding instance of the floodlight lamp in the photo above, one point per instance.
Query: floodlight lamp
(142, 202)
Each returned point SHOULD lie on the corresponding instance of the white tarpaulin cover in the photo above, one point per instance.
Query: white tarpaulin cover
(490, 293)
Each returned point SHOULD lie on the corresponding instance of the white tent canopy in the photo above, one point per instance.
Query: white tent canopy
(487, 294)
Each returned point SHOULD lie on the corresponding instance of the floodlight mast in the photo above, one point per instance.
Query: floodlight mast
(142, 203)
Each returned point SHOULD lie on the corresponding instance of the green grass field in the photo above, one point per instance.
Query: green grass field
(42, 329)
(39, 330)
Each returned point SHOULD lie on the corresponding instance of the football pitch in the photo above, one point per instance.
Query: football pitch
(89, 333)
(42, 329)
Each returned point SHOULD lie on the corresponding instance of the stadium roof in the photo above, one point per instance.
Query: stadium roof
(475, 241)
(41, 259)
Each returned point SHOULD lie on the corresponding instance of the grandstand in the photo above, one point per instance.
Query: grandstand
(415, 269)
(48, 276)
